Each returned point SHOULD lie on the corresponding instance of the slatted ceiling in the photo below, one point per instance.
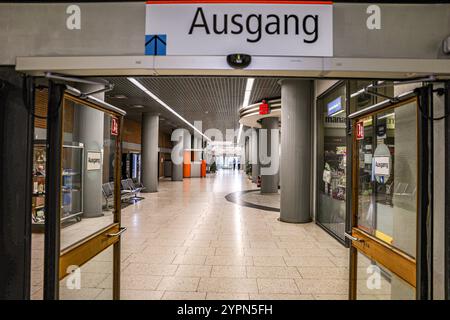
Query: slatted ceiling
(265, 88)
(191, 97)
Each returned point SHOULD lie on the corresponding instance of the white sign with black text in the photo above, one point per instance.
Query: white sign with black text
(255, 28)
(382, 166)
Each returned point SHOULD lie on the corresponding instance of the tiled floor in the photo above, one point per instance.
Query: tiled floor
(188, 242)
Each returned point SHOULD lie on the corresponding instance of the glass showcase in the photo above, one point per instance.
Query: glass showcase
(332, 161)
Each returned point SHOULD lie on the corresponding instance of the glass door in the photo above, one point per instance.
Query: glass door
(385, 203)
(89, 255)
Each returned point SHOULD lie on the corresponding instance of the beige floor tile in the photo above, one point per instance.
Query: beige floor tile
(189, 259)
(228, 271)
(201, 251)
(150, 269)
(324, 272)
(340, 261)
(277, 286)
(177, 295)
(197, 243)
(151, 259)
(229, 252)
(179, 284)
(269, 261)
(296, 244)
(132, 295)
(229, 261)
(227, 296)
(193, 271)
(309, 252)
(228, 285)
(324, 286)
(133, 282)
(272, 272)
(82, 294)
(308, 262)
(164, 250)
(263, 252)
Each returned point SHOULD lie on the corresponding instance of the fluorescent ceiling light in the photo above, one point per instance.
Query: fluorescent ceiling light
(154, 97)
(357, 93)
(119, 96)
(387, 116)
(334, 114)
(239, 133)
(248, 91)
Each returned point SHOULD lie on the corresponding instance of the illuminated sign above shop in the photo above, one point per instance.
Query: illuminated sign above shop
(297, 28)
(334, 107)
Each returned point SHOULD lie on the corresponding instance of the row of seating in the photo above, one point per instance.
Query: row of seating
(128, 192)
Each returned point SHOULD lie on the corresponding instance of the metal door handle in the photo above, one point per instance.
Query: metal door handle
(349, 236)
(121, 230)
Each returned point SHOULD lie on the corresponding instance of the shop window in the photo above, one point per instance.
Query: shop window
(332, 160)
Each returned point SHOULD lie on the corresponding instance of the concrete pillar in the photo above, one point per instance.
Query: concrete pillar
(296, 133)
(150, 163)
(198, 146)
(91, 133)
(254, 155)
(269, 182)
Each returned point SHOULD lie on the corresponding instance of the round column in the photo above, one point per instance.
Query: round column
(254, 155)
(269, 182)
(296, 153)
(150, 131)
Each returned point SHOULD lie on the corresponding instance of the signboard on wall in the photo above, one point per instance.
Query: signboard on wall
(298, 28)
(94, 160)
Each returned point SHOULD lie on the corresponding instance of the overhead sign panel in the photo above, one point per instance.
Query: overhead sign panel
(275, 28)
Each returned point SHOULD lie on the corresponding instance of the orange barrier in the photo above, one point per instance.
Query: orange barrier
(203, 172)
(187, 164)
(186, 170)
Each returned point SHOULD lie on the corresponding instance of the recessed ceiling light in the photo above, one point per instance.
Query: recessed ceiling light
(206, 111)
(119, 96)
(137, 106)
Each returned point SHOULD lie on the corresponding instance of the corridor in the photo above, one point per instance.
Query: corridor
(188, 242)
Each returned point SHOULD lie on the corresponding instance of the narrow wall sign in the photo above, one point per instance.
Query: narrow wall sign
(360, 130)
(114, 126)
(297, 28)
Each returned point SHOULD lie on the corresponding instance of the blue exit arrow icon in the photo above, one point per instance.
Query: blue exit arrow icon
(155, 44)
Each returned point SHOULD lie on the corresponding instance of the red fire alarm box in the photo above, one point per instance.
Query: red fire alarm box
(359, 130)
(264, 107)
(114, 126)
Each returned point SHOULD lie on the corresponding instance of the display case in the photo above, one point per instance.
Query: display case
(72, 182)
(38, 195)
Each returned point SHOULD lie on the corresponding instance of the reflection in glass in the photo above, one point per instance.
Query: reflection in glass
(332, 156)
(92, 281)
(87, 167)
(374, 282)
(387, 206)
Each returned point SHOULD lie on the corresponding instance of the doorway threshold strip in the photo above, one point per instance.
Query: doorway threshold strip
(236, 197)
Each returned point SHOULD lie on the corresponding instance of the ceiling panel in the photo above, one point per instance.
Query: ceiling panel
(213, 100)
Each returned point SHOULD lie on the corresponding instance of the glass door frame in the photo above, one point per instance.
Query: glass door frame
(57, 261)
(396, 261)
